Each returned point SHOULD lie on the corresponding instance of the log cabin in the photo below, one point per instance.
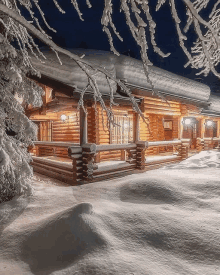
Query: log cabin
(75, 146)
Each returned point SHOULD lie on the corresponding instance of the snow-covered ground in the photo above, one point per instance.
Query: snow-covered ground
(162, 222)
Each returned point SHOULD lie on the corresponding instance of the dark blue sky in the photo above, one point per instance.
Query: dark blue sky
(74, 33)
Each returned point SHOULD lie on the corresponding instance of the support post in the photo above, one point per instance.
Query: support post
(199, 144)
(75, 153)
(141, 148)
(136, 127)
(202, 128)
(88, 158)
(180, 130)
(83, 127)
(218, 128)
(208, 143)
(184, 149)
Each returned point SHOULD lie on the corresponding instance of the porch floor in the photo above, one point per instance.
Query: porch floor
(150, 159)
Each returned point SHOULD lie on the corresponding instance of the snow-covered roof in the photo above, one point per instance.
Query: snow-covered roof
(131, 70)
(71, 74)
(124, 68)
(214, 104)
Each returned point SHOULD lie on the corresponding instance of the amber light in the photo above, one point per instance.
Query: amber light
(63, 117)
(209, 123)
(188, 121)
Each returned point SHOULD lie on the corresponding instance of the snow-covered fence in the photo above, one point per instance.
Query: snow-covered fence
(53, 159)
(211, 143)
(199, 144)
(216, 143)
(182, 148)
(136, 158)
(91, 172)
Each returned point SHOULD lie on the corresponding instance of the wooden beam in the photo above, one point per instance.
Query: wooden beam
(202, 127)
(83, 127)
(180, 126)
(136, 127)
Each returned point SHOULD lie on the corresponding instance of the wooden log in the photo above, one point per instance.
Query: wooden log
(110, 154)
(163, 104)
(66, 124)
(74, 150)
(113, 147)
(52, 163)
(53, 168)
(142, 144)
(55, 175)
(109, 170)
(76, 156)
(89, 147)
(55, 144)
(83, 127)
(89, 166)
(77, 169)
(131, 161)
(112, 175)
(66, 136)
(77, 162)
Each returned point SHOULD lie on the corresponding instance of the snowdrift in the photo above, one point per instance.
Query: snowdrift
(164, 221)
(202, 160)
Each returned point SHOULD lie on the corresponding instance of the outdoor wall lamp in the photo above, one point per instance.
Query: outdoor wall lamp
(209, 123)
(188, 121)
(63, 118)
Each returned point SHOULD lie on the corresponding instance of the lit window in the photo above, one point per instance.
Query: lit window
(123, 131)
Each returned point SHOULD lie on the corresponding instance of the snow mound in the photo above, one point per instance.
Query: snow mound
(204, 159)
(61, 239)
(149, 190)
(164, 221)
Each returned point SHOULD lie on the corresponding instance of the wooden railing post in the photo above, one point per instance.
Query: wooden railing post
(184, 149)
(88, 159)
(75, 153)
(141, 148)
(206, 144)
(216, 143)
(132, 156)
(199, 144)
(83, 127)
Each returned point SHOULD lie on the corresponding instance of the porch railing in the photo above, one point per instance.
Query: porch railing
(51, 159)
(84, 158)
(52, 148)
(207, 143)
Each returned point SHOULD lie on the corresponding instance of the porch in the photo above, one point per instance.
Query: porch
(77, 163)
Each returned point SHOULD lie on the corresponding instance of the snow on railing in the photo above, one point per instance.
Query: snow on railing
(136, 157)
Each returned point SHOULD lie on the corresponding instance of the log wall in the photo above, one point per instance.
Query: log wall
(69, 130)
(44, 151)
(99, 133)
(161, 107)
(156, 111)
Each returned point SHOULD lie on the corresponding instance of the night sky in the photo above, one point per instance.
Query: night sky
(74, 33)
